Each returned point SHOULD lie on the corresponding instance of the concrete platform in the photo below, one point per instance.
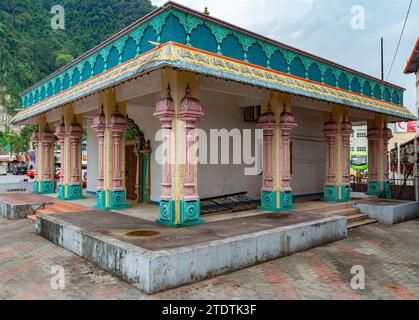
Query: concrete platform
(389, 212)
(19, 205)
(159, 258)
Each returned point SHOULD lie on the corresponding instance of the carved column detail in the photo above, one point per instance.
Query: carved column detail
(117, 126)
(165, 112)
(287, 124)
(330, 132)
(190, 112)
(99, 125)
(268, 123)
(60, 134)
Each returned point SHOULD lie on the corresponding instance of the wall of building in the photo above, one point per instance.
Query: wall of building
(308, 152)
(143, 117)
(92, 159)
(224, 112)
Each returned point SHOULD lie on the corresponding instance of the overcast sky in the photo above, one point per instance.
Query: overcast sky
(323, 28)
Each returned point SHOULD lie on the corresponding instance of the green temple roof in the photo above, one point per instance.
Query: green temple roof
(178, 24)
(183, 57)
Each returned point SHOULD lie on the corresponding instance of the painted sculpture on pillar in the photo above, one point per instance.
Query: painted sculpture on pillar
(330, 132)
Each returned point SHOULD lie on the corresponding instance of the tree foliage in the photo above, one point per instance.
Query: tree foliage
(31, 50)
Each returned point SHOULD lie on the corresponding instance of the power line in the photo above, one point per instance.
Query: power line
(400, 39)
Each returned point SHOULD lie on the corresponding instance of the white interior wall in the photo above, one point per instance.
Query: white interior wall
(222, 112)
(143, 117)
(92, 158)
(308, 158)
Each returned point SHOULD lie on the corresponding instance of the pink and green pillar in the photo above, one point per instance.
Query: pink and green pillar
(379, 136)
(44, 141)
(69, 135)
(337, 131)
(179, 111)
(277, 123)
(110, 125)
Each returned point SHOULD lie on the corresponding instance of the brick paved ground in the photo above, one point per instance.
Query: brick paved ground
(389, 255)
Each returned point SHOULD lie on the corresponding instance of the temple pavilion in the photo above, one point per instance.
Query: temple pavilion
(176, 70)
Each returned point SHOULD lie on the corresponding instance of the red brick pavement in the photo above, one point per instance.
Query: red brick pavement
(388, 254)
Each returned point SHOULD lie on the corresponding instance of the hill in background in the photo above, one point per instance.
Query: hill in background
(31, 50)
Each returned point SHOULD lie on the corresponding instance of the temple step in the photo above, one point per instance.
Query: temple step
(357, 217)
(360, 223)
(344, 212)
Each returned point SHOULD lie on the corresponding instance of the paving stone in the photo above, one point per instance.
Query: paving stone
(388, 254)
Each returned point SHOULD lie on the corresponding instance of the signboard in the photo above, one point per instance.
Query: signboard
(405, 127)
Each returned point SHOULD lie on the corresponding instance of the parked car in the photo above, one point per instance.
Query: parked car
(30, 174)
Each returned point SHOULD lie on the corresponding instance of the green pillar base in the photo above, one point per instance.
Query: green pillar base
(35, 187)
(269, 201)
(44, 187)
(380, 190)
(75, 192)
(117, 200)
(331, 193)
(190, 212)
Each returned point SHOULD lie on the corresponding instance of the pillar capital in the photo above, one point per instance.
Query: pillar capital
(118, 123)
(287, 122)
(165, 110)
(267, 122)
(190, 108)
(47, 136)
(99, 122)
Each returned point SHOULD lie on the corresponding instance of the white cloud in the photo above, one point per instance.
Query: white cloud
(323, 28)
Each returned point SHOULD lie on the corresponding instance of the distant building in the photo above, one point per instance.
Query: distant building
(411, 68)
(359, 139)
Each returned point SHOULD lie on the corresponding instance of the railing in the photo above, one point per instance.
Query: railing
(401, 189)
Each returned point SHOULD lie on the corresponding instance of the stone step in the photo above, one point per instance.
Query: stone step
(343, 212)
(359, 223)
(357, 217)
(45, 211)
(61, 206)
(321, 208)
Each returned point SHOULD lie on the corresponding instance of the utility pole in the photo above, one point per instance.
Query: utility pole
(382, 58)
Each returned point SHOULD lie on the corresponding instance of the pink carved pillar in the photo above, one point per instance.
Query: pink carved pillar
(190, 112)
(118, 126)
(373, 137)
(60, 134)
(287, 124)
(47, 140)
(330, 131)
(387, 135)
(165, 112)
(346, 130)
(99, 125)
(35, 140)
(76, 133)
(268, 123)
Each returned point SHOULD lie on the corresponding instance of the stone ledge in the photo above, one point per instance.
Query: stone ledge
(391, 212)
(157, 270)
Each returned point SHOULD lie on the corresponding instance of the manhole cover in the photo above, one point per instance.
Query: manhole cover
(142, 233)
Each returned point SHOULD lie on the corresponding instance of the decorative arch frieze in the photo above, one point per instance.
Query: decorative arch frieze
(137, 42)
